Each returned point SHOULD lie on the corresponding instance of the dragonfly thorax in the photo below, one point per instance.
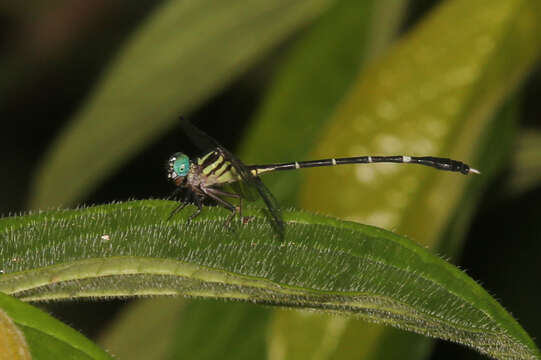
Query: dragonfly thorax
(178, 167)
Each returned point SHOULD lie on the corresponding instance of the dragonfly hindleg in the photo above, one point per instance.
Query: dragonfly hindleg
(216, 193)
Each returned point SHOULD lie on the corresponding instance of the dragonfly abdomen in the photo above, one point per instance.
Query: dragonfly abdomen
(435, 162)
(203, 177)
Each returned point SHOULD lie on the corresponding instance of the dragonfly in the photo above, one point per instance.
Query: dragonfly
(204, 177)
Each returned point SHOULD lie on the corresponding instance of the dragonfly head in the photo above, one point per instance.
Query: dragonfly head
(178, 167)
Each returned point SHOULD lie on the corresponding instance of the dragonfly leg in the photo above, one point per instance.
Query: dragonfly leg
(229, 194)
(245, 219)
(174, 194)
(199, 208)
(181, 206)
(240, 208)
(215, 194)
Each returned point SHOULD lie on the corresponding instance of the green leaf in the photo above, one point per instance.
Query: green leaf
(231, 330)
(12, 341)
(526, 163)
(388, 198)
(493, 154)
(185, 52)
(47, 338)
(323, 264)
(321, 68)
(433, 94)
(286, 125)
(172, 328)
(145, 329)
(303, 96)
(310, 84)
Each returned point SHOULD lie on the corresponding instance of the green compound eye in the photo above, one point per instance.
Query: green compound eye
(179, 165)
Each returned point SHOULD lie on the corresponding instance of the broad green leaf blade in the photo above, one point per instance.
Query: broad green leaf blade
(324, 264)
(184, 52)
(47, 338)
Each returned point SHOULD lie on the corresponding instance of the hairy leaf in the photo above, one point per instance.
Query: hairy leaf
(324, 264)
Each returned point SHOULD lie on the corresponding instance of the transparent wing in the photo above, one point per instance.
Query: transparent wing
(250, 186)
(198, 137)
(255, 182)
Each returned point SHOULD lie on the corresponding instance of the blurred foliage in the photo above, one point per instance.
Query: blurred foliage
(90, 93)
(181, 68)
(526, 170)
(40, 335)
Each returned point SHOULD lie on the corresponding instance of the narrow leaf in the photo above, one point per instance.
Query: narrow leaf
(306, 91)
(145, 329)
(297, 105)
(324, 264)
(526, 170)
(210, 329)
(47, 338)
(12, 341)
(433, 94)
(186, 51)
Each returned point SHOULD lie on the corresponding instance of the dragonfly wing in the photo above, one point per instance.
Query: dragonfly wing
(273, 207)
(255, 182)
(198, 137)
(251, 186)
(248, 192)
(206, 143)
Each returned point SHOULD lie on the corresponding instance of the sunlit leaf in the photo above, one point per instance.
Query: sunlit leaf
(526, 162)
(433, 94)
(43, 336)
(452, 122)
(12, 341)
(310, 85)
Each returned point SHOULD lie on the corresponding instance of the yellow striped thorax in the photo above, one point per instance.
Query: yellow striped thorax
(214, 166)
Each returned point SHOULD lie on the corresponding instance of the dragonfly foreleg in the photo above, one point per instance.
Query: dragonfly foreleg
(174, 194)
(182, 205)
(199, 205)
